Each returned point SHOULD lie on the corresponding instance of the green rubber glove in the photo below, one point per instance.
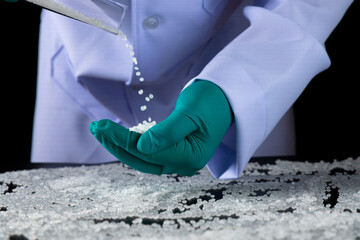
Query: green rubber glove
(183, 143)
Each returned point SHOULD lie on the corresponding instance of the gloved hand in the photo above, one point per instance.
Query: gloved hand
(183, 143)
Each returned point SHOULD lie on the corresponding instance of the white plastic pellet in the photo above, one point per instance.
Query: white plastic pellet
(113, 199)
(143, 127)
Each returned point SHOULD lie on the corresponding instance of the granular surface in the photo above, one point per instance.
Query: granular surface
(285, 200)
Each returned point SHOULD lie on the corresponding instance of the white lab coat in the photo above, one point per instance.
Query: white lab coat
(262, 54)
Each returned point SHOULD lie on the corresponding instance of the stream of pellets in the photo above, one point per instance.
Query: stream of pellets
(148, 123)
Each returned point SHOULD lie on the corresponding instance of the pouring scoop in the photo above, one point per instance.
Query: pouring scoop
(104, 14)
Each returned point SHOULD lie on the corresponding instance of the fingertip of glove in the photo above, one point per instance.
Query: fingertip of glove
(141, 146)
(103, 124)
(97, 126)
(144, 144)
(93, 127)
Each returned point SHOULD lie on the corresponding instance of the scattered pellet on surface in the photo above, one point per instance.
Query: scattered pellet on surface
(282, 200)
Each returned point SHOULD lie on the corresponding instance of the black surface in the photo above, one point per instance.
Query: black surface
(327, 118)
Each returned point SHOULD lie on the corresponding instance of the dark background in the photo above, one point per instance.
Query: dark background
(327, 113)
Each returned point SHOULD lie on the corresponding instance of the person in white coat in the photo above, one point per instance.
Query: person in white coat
(261, 54)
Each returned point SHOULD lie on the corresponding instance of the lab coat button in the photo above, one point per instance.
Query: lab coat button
(151, 23)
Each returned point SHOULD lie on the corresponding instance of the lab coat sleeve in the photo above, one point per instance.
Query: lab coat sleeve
(265, 69)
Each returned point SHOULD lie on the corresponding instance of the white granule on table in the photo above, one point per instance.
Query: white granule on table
(284, 200)
(143, 127)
